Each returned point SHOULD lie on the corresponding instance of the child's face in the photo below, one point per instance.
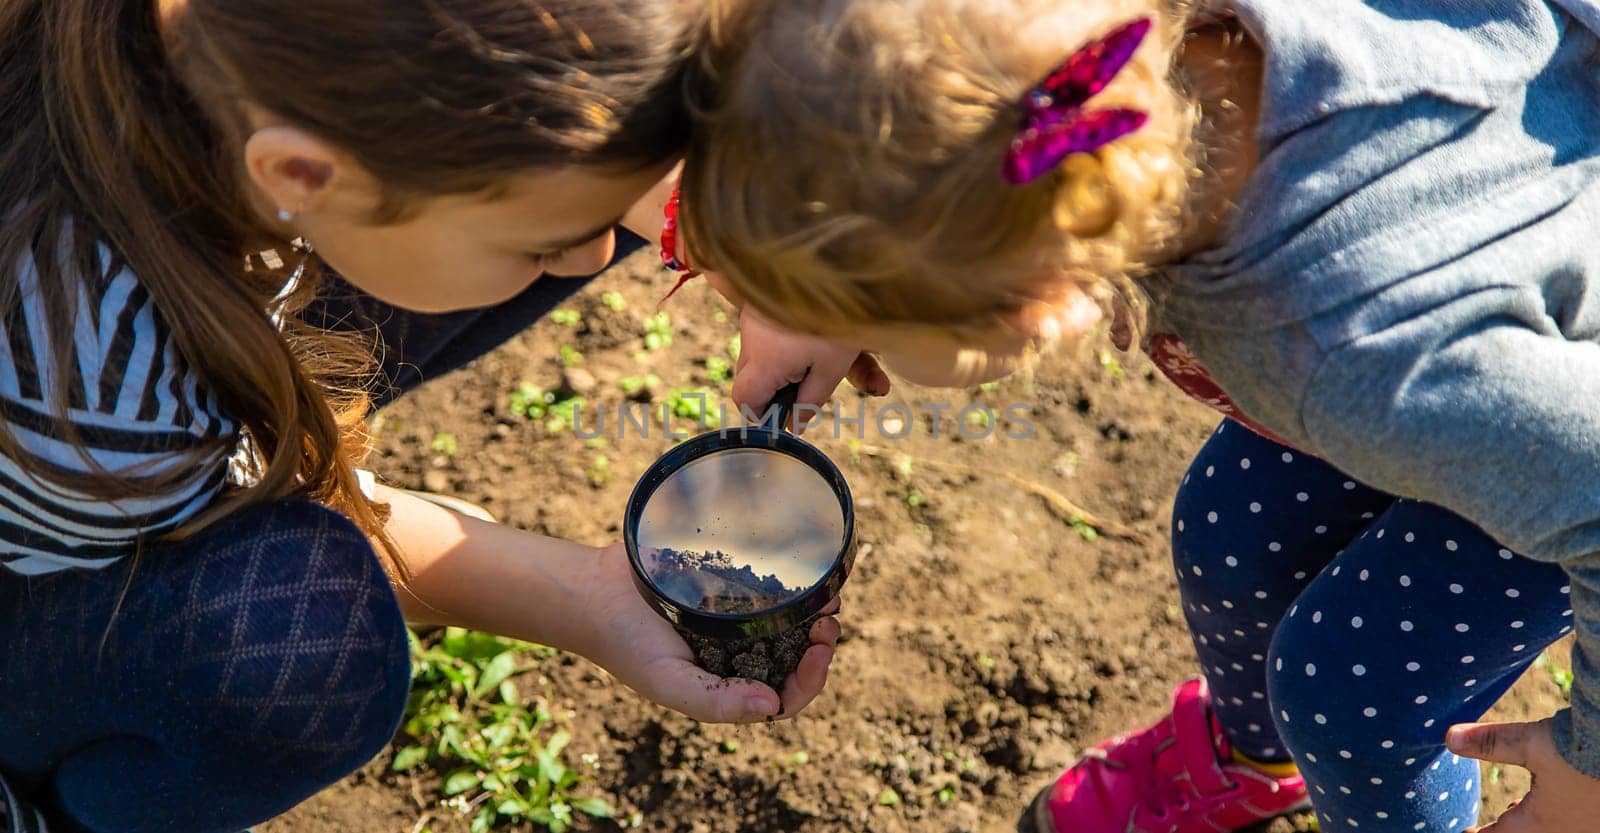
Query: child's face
(459, 252)
(944, 360)
(937, 358)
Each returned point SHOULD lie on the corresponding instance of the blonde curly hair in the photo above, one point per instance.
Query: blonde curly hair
(845, 172)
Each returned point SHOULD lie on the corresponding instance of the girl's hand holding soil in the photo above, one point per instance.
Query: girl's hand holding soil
(581, 599)
(1562, 799)
(642, 650)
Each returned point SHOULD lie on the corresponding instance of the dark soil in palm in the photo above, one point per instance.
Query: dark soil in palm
(768, 659)
(711, 582)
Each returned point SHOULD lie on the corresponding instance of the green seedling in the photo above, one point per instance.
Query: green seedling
(657, 332)
(529, 401)
(734, 346)
(982, 419)
(718, 369)
(445, 443)
(570, 356)
(903, 466)
(946, 794)
(1560, 675)
(614, 301)
(986, 661)
(1108, 360)
(599, 471)
(915, 499)
(566, 317)
(696, 404)
(633, 385)
(990, 387)
(1085, 530)
(562, 415)
(466, 718)
(888, 798)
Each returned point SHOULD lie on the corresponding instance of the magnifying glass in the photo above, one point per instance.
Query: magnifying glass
(741, 534)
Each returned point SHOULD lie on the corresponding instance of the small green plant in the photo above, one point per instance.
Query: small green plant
(734, 346)
(697, 404)
(888, 798)
(657, 332)
(634, 385)
(530, 401)
(915, 499)
(730, 746)
(566, 317)
(986, 661)
(535, 404)
(990, 387)
(445, 443)
(1108, 360)
(562, 415)
(466, 716)
(1559, 674)
(718, 369)
(946, 794)
(570, 357)
(599, 470)
(614, 301)
(903, 466)
(981, 419)
(1085, 530)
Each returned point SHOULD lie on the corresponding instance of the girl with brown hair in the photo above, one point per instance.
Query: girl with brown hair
(198, 594)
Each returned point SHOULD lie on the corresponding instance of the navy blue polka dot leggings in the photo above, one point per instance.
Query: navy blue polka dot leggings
(1348, 629)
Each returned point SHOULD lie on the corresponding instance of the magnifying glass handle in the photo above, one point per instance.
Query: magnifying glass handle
(783, 405)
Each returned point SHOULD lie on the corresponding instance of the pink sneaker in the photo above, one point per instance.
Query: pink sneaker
(1174, 777)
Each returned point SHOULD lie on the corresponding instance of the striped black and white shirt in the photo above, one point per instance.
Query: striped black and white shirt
(136, 407)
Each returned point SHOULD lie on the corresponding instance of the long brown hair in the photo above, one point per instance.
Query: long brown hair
(121, 137)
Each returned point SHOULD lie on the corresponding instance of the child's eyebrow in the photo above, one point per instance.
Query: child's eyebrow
(586, 237)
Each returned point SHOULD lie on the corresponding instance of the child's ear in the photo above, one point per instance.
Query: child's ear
(295, 169)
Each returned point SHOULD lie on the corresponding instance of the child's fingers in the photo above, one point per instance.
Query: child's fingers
(1515, 820)
(825, 631)
(867, 375)
(808, 680)
(712, 699)
(1501, 743)
(756, 383)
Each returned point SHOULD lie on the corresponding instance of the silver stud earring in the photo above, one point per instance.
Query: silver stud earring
(284, 215)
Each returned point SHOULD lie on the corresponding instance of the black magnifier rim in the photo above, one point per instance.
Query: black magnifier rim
(791, 613)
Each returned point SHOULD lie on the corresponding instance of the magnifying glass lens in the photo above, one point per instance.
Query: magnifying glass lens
(740, 531)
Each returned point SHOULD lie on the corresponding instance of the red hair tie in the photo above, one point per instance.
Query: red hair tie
(669, 246)
(1055, 121)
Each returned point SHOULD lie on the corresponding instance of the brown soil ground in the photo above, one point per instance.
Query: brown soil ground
(986, 642)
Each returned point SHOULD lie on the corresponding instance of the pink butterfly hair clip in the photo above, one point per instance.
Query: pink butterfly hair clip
(1055, 124)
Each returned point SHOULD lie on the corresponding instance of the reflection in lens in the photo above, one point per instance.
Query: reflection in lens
(740, 531)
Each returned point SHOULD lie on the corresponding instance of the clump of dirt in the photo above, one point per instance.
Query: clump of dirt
(766, 659)
(714, 583)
